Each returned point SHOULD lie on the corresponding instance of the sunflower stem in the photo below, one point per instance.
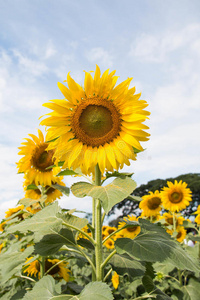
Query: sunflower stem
(174, 221)
(98, 229)
(108, 258)
(42, 266)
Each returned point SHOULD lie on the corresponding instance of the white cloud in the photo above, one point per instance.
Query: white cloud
(99, 55)
(156, 48)
(30, 66)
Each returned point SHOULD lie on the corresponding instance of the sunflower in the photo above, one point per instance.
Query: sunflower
(197, 212)
(151, 204)
(109, 244)
(37, 160)
(176, 196)
(81, 235)
(115, 280)
(12, 211)
(2, 226)
(99, 123)
(130, 231)
(56, 267)
(51, 192)
(169, 219)
(181, 233)
(197, 219)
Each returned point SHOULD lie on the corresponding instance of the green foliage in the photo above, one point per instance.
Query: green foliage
(109, 195)
(45, 289)
(154, 244)
(51, 243)
(63, 189)
(124, 264)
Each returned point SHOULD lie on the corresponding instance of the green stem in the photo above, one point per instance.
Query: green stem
(108, 258)
(98, 229)
(113, 233)
(79, 230)
(180, 277)
(174, 221)
(42, 266)
(103, 217)
(107, 275)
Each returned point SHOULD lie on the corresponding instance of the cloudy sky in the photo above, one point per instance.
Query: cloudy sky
(155, 42)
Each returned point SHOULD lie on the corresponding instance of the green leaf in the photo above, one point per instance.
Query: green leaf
(134, 198)
(63, 189)
(51, 243)
(151, 288)
(192, 290)
(85, 243)
(32, 187)
(66, 172)
(95, 290)
(109, 195)
(44, 289)
(124, 264)
(11, 263)
(43, 222)
(154, 244)
(27, 201)
(75, 221)
(117, 174)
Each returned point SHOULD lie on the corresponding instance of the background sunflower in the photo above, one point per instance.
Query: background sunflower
(176, 196)
(37, 160)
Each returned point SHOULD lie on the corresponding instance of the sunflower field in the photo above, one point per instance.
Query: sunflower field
(48, 252)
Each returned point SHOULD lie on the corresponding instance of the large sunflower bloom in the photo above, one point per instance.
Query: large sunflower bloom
(99, 123)
(59, 269)
(130, 231)
(151, 204)
(176, 196)
(51, 192)
(37, 159)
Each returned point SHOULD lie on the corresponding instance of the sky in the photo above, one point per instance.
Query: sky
(155, 42)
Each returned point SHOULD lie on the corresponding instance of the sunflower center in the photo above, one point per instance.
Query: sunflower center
(42, 159)
(49, 265)
(176, 197)
(96, 122)
(179, 235)
(131, 229)
(154, 203)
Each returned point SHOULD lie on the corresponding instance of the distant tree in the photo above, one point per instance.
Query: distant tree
(129, 206)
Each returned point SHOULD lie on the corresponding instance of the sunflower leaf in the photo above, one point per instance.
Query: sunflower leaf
(51, 243)
(151, 288)
(154, 244)
(32, 187)
(124, 264)
(69, 219)
(192, 290)
(109, 195)
(11, 263)
(67, 172)
(45, 289)
(95, 290)
(41, 223)
(63, 189)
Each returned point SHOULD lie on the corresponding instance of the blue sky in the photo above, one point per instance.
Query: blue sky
(155, 42)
